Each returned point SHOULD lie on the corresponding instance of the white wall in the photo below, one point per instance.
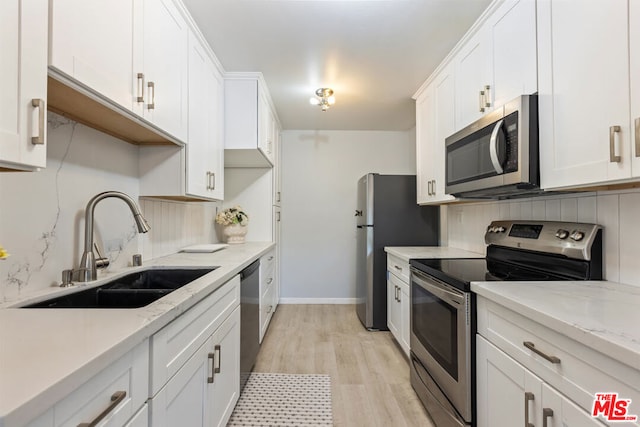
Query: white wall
(320, 170)
(42, 213)
(616, 211)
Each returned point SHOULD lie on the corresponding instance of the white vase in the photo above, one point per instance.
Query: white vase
(235, 233)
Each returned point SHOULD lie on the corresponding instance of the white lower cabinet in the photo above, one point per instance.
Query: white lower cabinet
(527, 372)
(112, 397)
(511, 395)
(398, 303)
(195, 363)
(205, 389)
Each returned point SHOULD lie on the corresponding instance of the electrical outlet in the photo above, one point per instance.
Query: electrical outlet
(114, 245)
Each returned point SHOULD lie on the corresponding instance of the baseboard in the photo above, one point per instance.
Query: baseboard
(317, 300)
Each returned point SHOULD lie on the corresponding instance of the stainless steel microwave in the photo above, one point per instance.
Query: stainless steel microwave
(496, 156)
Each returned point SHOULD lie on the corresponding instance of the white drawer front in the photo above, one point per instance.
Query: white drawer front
(129, 374)
(172, 346)
(398, 267)
(581, 371)
(267, 271)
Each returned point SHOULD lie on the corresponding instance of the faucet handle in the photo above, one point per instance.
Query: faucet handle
(101, 261)
(67, 278)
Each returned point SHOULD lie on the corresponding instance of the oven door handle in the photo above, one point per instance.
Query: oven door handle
(493, 147)
(439, 289)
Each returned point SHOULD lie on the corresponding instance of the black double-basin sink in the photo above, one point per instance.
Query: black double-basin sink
(134, 290)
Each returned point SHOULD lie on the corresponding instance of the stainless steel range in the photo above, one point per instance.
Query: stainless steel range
(443, 307)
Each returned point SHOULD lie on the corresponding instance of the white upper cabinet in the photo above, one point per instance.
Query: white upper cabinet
(23, 84)
(435, 120)
(497, 63)
(584, 56)
(513, 40)
(127, 56)
(472, 75)
(205, 151)
(164, 67)
(195, 171)
(425, 135)
(92, 42)
(251, 125)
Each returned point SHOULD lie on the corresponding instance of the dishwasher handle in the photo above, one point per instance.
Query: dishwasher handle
(248, 271)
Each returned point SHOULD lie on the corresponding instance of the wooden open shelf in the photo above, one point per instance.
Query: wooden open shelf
(79, 104)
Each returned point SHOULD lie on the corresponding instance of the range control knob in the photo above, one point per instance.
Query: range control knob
(562, 234)
(577, 235)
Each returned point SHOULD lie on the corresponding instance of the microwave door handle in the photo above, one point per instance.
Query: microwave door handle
(493, 148)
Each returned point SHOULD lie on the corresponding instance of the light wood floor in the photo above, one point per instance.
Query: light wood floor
(369, 372)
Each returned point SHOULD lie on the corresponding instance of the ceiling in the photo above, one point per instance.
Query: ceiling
(373, 53)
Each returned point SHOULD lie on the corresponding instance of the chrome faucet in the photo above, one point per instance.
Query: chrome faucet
(87, 269)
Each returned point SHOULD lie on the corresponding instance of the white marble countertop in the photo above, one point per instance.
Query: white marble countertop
(602, 315)
(437, 252)
(46, 353)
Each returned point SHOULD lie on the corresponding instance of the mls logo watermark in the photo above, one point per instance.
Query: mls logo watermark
(612, 408)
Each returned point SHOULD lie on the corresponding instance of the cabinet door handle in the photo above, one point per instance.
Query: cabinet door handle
(269, 281)
(269, 309)
(208, 180)
(212, 178)
(217, 350)
(39, 104)
(531, 346)
(397, 267)
(612, 144)
(212, 358)
(429, 188)
(278, 216)
(546, 414)
(637, 132)
(481, 101)
(116, 398)
(152, 90)
(399, 294)
(278, 196)
(487, 96)
(528, 397)
(270, 258)
(140, 97)
(433, 188)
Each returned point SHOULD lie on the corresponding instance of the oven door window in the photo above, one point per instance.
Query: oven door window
(435, 324)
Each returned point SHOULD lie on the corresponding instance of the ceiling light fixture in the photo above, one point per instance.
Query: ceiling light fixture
(324, 98)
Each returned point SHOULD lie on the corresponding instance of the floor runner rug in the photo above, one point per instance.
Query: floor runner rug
(284, 400)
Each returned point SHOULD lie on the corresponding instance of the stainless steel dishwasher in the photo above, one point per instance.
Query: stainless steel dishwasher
(249, 320)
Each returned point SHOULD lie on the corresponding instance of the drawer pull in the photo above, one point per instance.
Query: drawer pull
(397, 267)
(270, 258)
(528, 397)
(546, 414)
(531, 346)
(116, 398)
(212, 357)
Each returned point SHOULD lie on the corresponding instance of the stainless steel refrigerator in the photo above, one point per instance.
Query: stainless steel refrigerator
(387, 214)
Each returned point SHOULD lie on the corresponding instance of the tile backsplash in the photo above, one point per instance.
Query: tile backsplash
(617, 212)
(42, 213)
